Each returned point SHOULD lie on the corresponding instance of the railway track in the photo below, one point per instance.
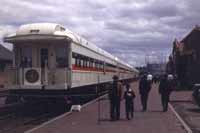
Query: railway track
(20, 120)
(19, 117)
(20, 124)
(4, 93)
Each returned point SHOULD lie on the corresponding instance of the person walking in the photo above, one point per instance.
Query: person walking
(165, 89)
(115, 96)
(129, 96)
(144, 89)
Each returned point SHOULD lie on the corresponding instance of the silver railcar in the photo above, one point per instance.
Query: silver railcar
(48, 56)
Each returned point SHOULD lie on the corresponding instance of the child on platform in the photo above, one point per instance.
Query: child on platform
(129, 96)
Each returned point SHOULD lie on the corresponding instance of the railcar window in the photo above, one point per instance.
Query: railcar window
(75, 56)
(84, 62)
(44, 57)
(26, 57)
(76, 61)
(88, 63)
(96, 64)
(91, 63)
(101, 66)
(61, 57)
(79, 61)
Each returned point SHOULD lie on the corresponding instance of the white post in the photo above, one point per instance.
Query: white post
(98, 95)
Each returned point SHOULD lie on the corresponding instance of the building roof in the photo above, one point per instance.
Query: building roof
(5, 54)
(189, 43)
(193, 32)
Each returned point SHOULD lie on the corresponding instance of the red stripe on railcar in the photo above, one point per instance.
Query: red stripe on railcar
(74, 67)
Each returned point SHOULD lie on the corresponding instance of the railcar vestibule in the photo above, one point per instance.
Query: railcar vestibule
(42, 55)
(51, 60)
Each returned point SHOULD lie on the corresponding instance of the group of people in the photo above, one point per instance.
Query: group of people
(145, 84)
(115, 96)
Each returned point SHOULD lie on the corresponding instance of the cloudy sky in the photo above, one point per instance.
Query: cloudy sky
(130, 29)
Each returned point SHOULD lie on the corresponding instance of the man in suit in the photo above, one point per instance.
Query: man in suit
(165, 88)
(115, 96)
(144, 89)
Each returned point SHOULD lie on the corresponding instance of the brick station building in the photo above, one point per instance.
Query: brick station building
(186, 59)
(5, 62)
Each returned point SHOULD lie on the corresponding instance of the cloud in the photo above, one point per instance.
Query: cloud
(128, 29)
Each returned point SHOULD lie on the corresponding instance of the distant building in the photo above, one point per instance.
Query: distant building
(186, 58)
(156, 68)
(153, 68)
(5, 62)
(142, 70)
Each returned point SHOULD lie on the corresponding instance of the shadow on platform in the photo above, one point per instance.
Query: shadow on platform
(155, 111)
(108, 120)
(181, 101)
(196, 110)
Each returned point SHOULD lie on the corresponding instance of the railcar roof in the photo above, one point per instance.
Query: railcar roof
(59, 30)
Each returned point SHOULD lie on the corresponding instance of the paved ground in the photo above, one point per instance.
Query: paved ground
(190, 112)
(152, 121)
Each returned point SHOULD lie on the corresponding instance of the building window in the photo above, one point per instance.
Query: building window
(2, 66)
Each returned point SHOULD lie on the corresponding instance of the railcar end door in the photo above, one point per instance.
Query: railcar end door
(44, 58)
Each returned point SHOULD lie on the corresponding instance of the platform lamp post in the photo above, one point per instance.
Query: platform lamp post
(98, 95)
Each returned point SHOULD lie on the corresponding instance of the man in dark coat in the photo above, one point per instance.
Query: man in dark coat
(115, 96)
(165, 88)
(144, 89)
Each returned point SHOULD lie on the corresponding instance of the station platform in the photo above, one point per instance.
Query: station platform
(86, 121)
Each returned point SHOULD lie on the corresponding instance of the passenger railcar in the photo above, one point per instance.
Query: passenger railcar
(48, 56)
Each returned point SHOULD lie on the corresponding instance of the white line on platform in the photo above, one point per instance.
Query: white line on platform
(187, 128)
(61, 116)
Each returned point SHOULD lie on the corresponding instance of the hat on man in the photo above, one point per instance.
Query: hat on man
(149, 77)
(170, 77)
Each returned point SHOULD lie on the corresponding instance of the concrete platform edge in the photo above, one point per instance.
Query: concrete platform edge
(187, 128)
(63, 115)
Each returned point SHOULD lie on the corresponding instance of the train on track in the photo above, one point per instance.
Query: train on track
(50, 59)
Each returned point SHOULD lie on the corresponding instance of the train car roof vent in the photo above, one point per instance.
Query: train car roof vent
(59, 28)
